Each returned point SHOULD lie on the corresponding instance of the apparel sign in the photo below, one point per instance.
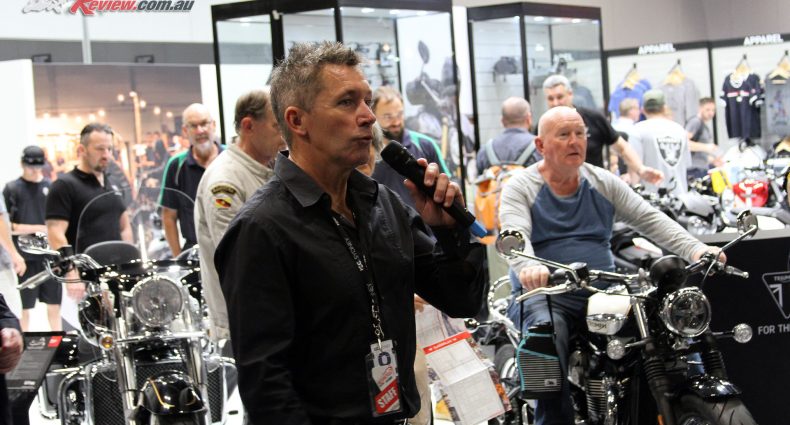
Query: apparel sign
(754, 40)
(651, 49)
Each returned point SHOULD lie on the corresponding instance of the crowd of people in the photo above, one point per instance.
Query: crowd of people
(314, 255)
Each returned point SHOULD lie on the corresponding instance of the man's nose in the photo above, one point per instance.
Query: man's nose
(366, 115)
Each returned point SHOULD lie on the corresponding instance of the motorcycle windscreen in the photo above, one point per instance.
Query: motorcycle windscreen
(539, 364)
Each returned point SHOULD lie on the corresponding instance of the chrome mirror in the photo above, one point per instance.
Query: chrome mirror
(509, 241)
(35, 243)
(747, 223)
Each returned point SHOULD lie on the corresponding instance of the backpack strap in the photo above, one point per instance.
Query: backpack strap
(415, 138)
(526, 154)
(492, 158)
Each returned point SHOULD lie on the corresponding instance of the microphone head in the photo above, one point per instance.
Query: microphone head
(396, 156)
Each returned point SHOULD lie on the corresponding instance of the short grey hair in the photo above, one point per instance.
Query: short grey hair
(628, 104)
(251, 104)
(557, 80)
(515, 110)
(296, 80)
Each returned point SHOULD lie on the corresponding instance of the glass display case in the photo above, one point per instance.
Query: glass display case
(250, 37)
(515, 47)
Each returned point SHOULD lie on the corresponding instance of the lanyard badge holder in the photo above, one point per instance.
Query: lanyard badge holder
(381, 363)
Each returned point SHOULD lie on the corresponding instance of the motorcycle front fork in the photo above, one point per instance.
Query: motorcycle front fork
(655, 367)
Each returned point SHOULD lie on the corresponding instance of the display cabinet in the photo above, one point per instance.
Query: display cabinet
(250, 37)
(515, 47)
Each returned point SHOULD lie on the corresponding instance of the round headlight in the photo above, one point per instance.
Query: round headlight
(157, 301)
(686, 312)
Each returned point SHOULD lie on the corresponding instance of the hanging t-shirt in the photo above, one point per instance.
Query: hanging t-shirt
(743, 98)
(621, 93)
(777, 101)
(682, 99)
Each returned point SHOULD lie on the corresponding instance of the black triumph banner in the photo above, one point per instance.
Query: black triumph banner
(760, 367)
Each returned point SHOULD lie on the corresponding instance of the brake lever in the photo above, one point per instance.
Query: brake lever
(554, 290)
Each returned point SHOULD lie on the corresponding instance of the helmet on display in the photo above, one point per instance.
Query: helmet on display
(752, 192)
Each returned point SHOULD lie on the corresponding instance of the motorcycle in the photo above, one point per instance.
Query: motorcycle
(438, 112)
(144, 355)
(649, 329)
(697, 212)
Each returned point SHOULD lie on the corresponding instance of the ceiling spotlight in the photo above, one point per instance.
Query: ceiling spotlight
(63, 115)
(367, 10)
(143, 104)
(78, 119)
(157, 110)
(394, 12)
(538, 18)
(121, 97)
(102, 113)
(46, 115)
(576, 21)
(132, 94)
(169, 114)
(92, 117)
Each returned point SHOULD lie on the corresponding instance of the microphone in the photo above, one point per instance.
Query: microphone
(404, 163)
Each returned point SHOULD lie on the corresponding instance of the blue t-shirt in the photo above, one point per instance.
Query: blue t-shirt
(621, 93)
(573, 228)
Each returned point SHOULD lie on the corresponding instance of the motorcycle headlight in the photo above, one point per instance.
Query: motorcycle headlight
(686, 312)
(157, 301)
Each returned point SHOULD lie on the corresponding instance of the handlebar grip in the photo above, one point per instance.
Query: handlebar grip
(35, 280)
(558, 277)
(733, 271)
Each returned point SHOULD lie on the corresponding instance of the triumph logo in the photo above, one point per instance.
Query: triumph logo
(778, 284)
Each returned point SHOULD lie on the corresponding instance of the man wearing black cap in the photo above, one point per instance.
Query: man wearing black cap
(26, 199)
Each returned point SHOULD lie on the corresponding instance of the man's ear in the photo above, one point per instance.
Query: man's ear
(539, 144)
(295, 118)
(246, 124)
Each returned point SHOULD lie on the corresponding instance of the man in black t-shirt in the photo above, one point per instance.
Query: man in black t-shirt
(600, 133)
(25, 200)
(83, 206)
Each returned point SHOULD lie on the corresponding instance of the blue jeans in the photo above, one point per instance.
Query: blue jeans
(568, 311)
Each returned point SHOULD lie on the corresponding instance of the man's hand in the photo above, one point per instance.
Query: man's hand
(533, 277)
(419, 303)
(74, 287)
(712, 249)
(651, 175)
(445, 194)
(11, 349)
(19, 263)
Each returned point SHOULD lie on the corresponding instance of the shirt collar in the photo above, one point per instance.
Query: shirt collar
(516, 130)
(307, 191)
(87, 176)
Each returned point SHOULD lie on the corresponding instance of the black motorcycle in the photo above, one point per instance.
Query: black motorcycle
(648, 356)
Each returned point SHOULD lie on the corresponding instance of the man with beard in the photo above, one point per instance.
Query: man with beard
(388, 108)
(182, 176)
(68, 220)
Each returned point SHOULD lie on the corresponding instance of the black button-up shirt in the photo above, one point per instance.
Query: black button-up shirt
(298, 309)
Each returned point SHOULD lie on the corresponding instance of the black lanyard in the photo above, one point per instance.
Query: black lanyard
(367, 277)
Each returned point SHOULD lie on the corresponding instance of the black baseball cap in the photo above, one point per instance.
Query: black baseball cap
(33, 155)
